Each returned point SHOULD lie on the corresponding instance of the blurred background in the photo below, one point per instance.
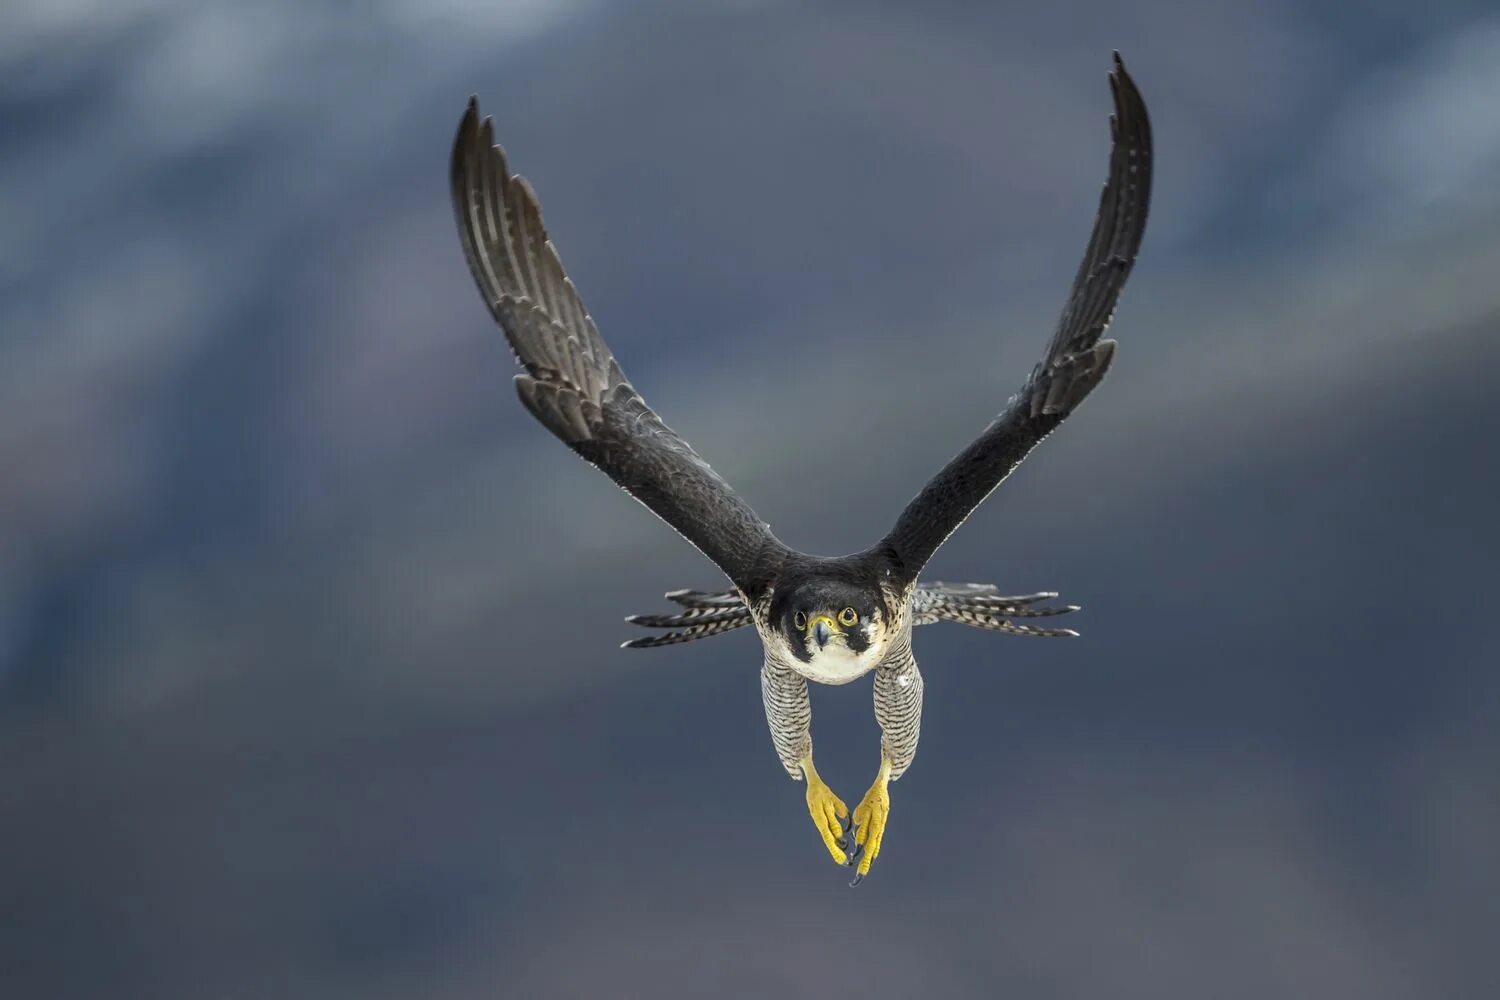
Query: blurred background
(309, 683)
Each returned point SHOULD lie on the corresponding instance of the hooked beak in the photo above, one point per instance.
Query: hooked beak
(821, 630)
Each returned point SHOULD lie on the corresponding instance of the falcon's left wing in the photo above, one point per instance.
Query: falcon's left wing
(1076, 359)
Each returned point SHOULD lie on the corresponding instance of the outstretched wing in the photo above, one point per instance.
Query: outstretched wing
(572, 383)
(1076, 359)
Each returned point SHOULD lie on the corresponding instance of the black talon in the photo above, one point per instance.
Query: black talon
(857, 880)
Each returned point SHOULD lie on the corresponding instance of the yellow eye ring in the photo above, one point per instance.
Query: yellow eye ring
(799, 620)
(848, 617)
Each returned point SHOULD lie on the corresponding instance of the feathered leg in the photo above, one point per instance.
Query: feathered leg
(898, 710)
(789, 714)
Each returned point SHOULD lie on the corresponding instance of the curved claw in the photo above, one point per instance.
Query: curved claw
(828, 814)
(871, 815)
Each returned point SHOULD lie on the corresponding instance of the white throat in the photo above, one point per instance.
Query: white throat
(836, 663)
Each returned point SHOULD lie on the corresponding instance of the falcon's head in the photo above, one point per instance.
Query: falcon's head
(836, 627)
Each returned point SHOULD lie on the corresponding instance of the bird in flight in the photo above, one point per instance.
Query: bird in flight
(824, 619)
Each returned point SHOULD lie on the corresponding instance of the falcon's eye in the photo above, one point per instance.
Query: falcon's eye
(848, 617)
(800, 620)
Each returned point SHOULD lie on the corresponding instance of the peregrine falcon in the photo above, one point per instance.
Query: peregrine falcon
(824, 619)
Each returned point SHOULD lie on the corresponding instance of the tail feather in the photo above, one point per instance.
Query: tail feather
(692, 616)
(703, 614)
(705, 599)
(979, 605)
(702, 630)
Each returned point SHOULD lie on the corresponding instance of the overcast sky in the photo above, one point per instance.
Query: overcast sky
(308, 672)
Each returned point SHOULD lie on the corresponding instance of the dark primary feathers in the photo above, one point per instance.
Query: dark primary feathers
(1076, 358)
(572, 383)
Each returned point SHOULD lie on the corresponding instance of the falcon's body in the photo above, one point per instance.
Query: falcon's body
(828, 620)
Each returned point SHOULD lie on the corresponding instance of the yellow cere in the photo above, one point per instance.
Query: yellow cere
(826, 620)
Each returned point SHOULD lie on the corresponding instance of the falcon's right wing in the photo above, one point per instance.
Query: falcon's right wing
(572, 383)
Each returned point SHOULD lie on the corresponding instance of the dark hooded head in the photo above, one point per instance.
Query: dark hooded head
(824, 615)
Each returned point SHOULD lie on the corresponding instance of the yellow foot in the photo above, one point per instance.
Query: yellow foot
(828, 812)
(869, 820)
